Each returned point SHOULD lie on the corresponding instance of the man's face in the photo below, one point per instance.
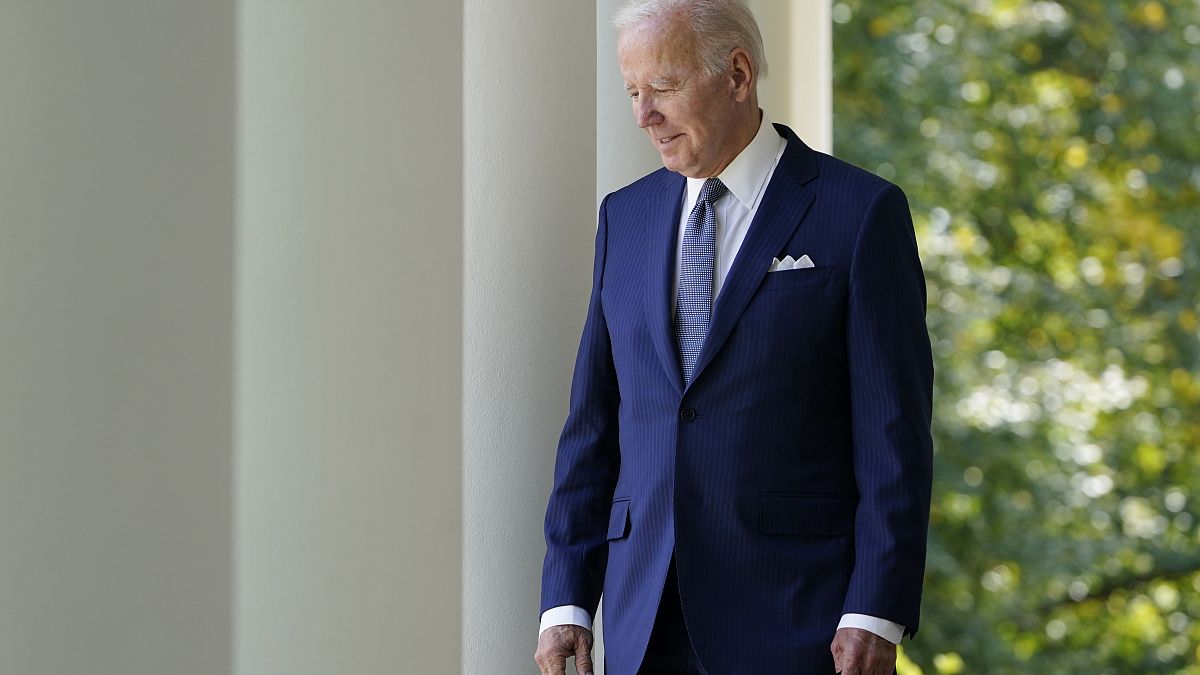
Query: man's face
(688, 115)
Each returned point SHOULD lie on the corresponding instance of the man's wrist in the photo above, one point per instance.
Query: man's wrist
(888, 630)
(565, 615)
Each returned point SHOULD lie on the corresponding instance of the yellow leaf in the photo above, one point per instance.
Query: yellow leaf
(1187, 320)
(1030, 53)
(1076, 156)
(1150, 459)
(1181, 379)
(904, 665)
(1153, 15)
(948, 664)
(1167, 242)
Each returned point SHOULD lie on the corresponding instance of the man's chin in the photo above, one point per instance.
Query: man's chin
(669, 158)
(672, 163)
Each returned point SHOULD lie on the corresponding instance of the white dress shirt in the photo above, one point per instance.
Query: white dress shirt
(746, 177)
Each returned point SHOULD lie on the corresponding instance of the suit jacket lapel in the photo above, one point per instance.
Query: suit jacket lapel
(787, 199)
(663, 226)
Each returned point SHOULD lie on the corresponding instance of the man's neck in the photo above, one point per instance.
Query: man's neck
(747, 130)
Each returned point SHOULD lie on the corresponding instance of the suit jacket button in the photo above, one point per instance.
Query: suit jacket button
(687, 414)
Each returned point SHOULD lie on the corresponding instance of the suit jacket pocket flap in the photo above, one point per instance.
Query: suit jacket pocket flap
(618, 519)
(811, 515)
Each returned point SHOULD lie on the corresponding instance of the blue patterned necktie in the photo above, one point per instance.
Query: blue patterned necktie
(694, 306)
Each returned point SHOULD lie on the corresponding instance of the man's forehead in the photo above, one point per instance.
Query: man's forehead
(646, 63)
(669, 42)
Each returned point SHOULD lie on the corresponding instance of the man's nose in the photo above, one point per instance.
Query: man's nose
(646, 114)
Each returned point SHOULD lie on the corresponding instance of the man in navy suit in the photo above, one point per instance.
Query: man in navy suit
(745, 468)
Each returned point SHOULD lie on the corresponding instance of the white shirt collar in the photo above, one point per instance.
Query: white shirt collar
(746, 176)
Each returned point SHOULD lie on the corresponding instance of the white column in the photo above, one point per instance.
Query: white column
(349, 317)
(116, 308)
(529, 225)
(774, 91)
(808, 59)
(797, 36)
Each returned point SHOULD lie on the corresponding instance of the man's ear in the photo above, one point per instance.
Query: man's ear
(742, 76)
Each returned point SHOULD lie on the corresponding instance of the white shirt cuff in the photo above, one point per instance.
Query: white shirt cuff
(565, 615)
(888, 630)
(578, 616)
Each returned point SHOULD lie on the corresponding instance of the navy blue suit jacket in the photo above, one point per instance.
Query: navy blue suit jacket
(792, 477)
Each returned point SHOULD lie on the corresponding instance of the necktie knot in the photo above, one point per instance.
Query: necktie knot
(712, 190)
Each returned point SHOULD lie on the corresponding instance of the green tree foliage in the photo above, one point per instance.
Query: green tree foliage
(1051, 155)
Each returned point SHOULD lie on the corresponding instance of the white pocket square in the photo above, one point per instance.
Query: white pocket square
(788, 263)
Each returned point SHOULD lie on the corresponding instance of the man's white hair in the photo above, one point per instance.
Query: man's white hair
(720, 27)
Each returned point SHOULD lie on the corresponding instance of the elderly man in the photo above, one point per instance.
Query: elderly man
(745, 468)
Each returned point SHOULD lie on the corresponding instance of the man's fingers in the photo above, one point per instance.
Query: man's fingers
(850, 667)
(551, 658)
(583, 660)
(837, 649)
(559, 643)
(583, 652)
(859, 652)
(557, 664)
(848, 656)
(552, 664)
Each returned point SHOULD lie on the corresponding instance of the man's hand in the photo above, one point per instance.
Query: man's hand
(558, 643)
(861, 652)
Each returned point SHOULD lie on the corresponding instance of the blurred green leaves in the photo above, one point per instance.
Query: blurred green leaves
(1051, 155)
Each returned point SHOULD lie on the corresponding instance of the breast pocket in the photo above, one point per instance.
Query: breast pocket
(797, 278)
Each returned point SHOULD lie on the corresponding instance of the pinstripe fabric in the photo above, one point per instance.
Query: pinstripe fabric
(791, 477)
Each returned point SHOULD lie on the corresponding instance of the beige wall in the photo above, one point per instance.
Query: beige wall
(116, 331)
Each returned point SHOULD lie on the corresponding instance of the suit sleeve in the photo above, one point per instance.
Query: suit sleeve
(587, 462)
(891, 391)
